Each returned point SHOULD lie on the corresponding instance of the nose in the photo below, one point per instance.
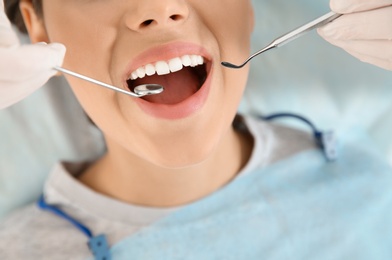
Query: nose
(155, 14)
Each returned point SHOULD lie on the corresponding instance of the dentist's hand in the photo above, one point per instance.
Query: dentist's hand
(365, 31)
(23, 68)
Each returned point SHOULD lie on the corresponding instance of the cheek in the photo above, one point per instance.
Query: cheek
(87, 37)
(235, 82)
(231, 22)
(102, 106)
(96, 101)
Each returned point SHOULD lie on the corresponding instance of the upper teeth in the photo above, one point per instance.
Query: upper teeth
(165, 67)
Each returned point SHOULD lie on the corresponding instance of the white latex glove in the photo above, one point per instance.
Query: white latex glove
(365, 31)
(23, 68)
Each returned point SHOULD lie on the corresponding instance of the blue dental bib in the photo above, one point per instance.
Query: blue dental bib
(300, 208)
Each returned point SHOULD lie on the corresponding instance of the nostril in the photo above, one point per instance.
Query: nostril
(175, 17)
(147, 22)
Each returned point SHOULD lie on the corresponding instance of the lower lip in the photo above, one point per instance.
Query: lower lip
(181, 110)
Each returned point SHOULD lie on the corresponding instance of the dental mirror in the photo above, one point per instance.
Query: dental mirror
(140, 91)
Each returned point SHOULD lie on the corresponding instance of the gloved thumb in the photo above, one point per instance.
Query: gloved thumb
(30, 61)
(26, 68)
(40, 58)
(353, 6)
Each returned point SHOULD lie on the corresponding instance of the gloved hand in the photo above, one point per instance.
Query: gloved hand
(365, 31)
(23, 68)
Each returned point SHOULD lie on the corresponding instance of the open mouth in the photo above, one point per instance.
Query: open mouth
(181, 77)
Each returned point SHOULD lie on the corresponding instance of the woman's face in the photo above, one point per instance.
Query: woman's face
(113, 40)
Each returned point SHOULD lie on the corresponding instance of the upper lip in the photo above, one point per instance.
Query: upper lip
(164, 53)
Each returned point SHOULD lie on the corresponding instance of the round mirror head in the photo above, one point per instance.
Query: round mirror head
(148, 89)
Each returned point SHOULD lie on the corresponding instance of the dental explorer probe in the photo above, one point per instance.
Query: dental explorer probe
(288, 37)
(140, 91)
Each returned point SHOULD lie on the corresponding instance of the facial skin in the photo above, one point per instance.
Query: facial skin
(152, 160)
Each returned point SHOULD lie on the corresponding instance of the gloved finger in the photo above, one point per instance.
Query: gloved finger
(367, 51)
(8, 37)
(382, 63)
(377, 49)
(352, 6)
(371, 25)
(29, 61)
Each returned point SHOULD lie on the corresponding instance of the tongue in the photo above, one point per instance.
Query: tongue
(178, 86)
